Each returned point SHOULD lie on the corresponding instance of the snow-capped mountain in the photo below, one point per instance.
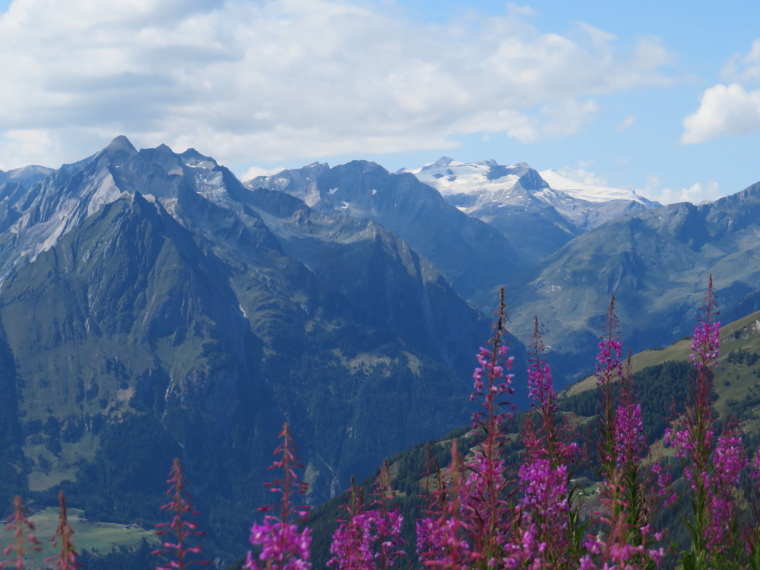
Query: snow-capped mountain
(538, 210)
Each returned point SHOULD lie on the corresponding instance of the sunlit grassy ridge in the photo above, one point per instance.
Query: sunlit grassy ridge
(737, 377)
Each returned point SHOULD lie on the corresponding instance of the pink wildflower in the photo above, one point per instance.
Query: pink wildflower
(180, 526)
(23, 532)
(630, 440)
(483, 495)
(367, 540)
(443, 535)
(283, 545)
(609, 370)
(728, 463)
(67, 558)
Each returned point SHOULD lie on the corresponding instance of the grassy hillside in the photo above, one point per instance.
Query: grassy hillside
(737, 376)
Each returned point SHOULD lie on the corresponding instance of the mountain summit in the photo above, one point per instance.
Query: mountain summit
(537, 211)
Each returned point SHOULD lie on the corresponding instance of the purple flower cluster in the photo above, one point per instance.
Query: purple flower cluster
(352, 543)
(443, 536)
(728, 463)
(609, 371)
(544, 493)
(283, 545)
(540, 385)
(368, 540)
(706, 339)
(493, 366)
(630, 441)
(616, 553)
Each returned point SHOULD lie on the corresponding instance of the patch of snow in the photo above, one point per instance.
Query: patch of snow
(202, 163)
(587, 192)
(210, 183)
(453, 177)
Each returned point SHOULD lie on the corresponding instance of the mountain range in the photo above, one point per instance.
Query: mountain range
(152, 305)
(569, 247)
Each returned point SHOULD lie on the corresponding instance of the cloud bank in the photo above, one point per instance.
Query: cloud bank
(728, 110)
(274, 80)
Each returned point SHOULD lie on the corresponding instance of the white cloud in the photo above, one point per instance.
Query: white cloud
(728, 109)
(743, 68)
(583, 175)
(255, 171)
(626, 123)
(266, 80)
(724, 110)
(696, 193)
(520, 10)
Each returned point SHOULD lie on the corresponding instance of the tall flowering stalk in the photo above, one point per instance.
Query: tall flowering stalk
(546, 506)
(630, 444)
(351, 540)
(443, 536)
(609, 370)
(67, 557)
(728, 463)
(694, 440)
(470, 523)
(484, 503)
(621, 442)
(181, 526)
(630, 541)
(388, 522)
(283, 546)
(23, 533)
(368, 540)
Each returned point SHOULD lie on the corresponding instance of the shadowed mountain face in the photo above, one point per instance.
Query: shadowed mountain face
(149, 311)
(473, 256)
(379, 273)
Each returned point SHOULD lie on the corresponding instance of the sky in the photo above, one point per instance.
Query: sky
(658, 97)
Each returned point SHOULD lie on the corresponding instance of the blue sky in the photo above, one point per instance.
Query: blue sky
(659, 97)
